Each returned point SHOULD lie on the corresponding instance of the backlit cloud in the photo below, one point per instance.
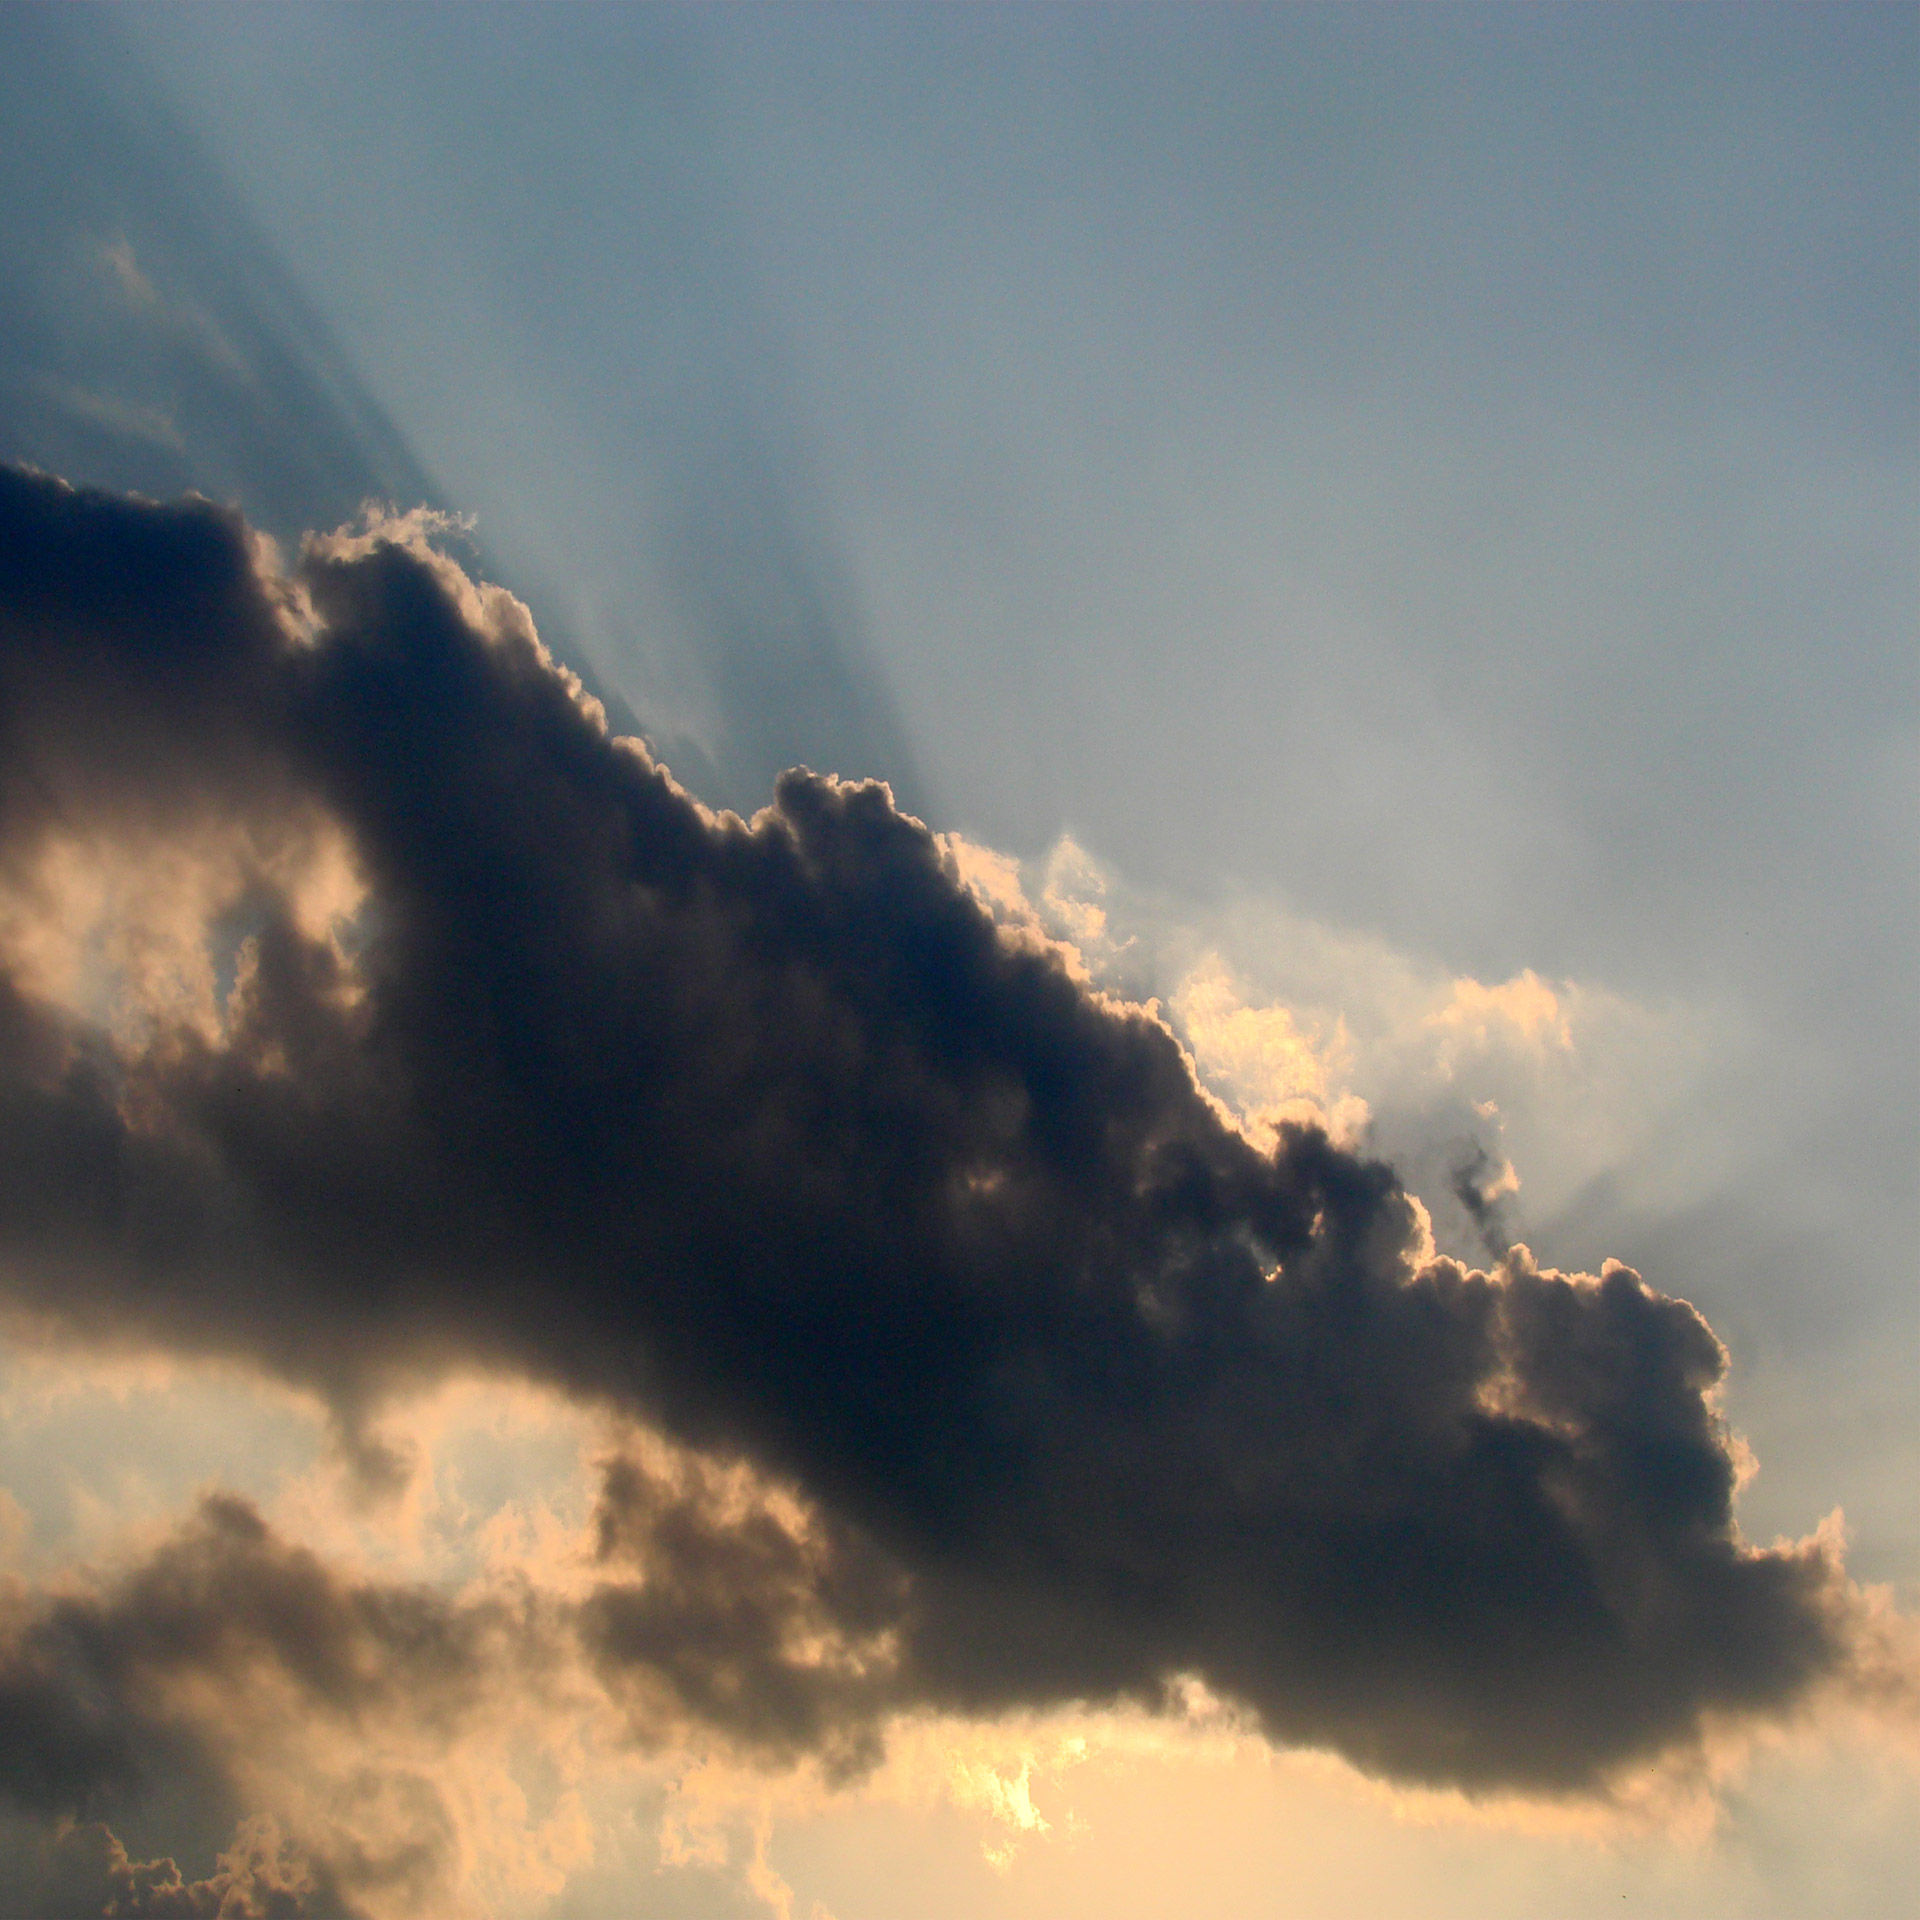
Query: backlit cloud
(370, 1012)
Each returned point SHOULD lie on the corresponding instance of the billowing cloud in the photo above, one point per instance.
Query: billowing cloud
(744, 1614)
(478, 1042)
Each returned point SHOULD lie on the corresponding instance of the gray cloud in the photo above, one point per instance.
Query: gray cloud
(84, 1872)
(136, 1702)
(761, 1131)
(1473, 1180)
(777, 1632)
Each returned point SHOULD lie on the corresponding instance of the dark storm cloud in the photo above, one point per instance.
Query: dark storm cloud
(763, 1132)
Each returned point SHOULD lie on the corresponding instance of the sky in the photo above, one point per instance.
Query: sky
(1279, 1280)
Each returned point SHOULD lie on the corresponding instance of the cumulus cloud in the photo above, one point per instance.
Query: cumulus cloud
(1046, 1380)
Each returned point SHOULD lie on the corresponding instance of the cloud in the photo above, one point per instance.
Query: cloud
(84, 1873)
(1480, 1183)
(1525, 1007)
(1263, 1058)
(181, 1680)
(760, 1132)
(127, 417)
(750, 1615)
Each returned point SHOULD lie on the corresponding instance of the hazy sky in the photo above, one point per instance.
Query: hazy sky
(1388, 532)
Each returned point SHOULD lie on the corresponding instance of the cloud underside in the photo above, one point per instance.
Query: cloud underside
(369, 1011)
